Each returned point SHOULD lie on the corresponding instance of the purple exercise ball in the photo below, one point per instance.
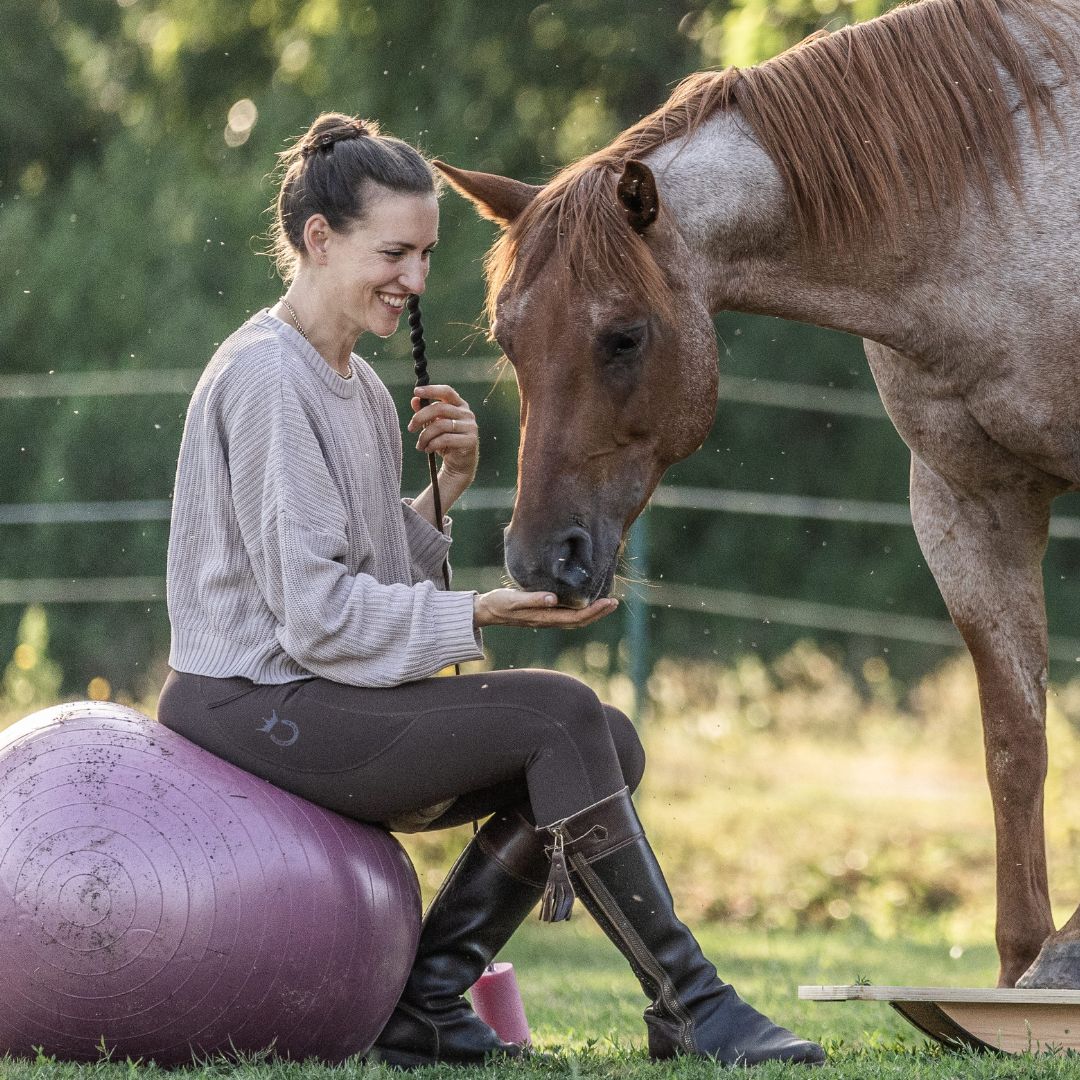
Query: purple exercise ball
(163, 902)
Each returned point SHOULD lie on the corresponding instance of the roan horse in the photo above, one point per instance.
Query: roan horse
(914, 180)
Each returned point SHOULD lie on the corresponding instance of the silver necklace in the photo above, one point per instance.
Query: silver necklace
(303, 334)
(292, 314)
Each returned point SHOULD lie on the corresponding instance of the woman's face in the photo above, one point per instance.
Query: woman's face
(372, 268)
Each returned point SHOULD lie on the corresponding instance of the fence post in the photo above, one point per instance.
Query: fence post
(637, 615)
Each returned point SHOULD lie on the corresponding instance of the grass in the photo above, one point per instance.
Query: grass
(815, 828)
(585, 1011)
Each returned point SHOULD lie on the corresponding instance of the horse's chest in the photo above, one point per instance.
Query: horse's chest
(1043, 433)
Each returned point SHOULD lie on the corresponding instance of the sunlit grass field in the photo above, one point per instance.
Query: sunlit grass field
(797, 796)
(817, 828)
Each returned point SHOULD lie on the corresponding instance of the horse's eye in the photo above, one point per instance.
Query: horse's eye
(622, 344)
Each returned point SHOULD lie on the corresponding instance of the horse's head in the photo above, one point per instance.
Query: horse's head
(592, 297)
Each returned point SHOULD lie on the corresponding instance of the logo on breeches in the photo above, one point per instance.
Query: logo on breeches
(269, 725)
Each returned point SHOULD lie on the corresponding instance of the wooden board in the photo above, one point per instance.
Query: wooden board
(1014, 1021)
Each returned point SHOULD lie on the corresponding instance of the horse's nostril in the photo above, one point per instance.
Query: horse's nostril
(573, 559)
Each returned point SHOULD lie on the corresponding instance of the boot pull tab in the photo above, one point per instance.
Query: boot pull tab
(558, 899)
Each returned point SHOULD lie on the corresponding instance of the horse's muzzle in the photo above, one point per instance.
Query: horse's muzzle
(564, 563)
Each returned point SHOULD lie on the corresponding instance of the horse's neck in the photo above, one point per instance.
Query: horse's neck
(951, 283)
(730, 205)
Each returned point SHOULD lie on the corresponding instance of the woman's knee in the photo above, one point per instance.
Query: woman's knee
(594, 722)
(561, 694)
(627, 745)
(571, 704)
(572, 713)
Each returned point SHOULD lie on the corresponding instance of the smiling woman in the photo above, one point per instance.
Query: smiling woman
(362, 207)
(308, 611)
(307, 620)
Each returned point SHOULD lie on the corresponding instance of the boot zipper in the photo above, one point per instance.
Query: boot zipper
(632, 940)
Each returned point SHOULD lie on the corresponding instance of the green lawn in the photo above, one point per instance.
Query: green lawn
(585, 1009)
(813, 836)
(591, 993)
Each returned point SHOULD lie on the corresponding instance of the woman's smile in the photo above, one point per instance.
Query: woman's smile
(393, 302)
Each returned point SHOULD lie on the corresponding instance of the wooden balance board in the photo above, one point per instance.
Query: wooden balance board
(1013, 1021)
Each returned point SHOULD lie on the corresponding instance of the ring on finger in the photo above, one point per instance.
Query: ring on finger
(453, 424)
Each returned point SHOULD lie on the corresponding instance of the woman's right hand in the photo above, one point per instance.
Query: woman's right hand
(514, 607)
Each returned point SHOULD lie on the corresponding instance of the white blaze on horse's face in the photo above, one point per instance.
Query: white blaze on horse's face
(614, 387)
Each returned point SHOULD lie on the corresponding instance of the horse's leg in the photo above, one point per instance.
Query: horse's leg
(985, 550)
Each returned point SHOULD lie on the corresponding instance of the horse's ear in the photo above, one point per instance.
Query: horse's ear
(637, 193)
(497, 198)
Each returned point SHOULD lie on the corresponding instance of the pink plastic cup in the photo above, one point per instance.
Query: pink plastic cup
(497, 1001)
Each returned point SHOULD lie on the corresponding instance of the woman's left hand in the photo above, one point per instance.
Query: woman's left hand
(448, 427)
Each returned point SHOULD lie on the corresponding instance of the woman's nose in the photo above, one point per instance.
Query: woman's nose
(414, 277)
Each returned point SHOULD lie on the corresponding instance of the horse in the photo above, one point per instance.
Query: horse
(914, 180)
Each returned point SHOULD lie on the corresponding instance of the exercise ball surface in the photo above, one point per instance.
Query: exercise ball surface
(163, 903)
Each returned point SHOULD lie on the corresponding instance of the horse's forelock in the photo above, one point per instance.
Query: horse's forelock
(578, 220)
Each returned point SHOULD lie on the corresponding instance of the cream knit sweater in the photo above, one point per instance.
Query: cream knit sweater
(291, 552)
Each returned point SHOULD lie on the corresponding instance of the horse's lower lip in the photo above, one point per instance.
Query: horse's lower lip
(578, 598)
(575, 602)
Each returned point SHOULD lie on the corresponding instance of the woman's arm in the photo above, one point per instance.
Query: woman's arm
(514, 607)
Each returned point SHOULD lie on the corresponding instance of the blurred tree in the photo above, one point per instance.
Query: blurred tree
(57, 106)
(748, 31)
(138, 136)
(31, 680)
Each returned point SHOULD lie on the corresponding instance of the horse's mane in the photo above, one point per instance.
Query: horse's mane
(858, 122)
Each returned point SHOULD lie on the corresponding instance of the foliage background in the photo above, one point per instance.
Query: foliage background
(843, 776)
(131, 217)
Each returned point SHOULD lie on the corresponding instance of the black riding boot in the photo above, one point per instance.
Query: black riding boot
(487, 894)
(614, 871)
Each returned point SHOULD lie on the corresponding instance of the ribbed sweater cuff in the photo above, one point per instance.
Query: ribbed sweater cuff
(427, 546)
(460, 639)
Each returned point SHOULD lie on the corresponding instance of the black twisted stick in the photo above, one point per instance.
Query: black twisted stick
(419, 352)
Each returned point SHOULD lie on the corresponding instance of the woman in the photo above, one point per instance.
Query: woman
(307, 622)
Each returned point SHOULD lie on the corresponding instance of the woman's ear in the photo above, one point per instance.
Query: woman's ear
(316, 237)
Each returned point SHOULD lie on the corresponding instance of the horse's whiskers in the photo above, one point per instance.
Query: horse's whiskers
(633, 583)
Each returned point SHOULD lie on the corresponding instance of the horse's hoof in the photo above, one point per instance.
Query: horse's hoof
(1057, 967)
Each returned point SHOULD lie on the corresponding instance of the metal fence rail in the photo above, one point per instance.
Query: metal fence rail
(102, 590)
(137, 382)
(718, 602)
(752, 607)
(768, 504)
(805, 397)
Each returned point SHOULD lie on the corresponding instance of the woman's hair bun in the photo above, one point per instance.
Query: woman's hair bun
(323, 140)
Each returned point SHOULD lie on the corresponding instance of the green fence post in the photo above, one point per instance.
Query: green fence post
(637, 615)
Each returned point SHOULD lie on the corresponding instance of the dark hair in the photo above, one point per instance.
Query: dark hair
(327, 171)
